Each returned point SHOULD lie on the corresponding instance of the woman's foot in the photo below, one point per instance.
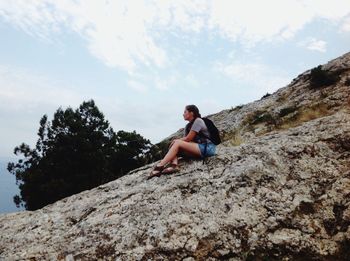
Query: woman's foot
(172, 168)
(156, 171)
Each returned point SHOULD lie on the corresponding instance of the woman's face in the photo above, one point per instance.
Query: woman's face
(187, 115)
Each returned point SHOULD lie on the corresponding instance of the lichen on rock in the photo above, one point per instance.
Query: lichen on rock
(282, 194)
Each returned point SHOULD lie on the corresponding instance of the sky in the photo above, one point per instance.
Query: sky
(142, 62)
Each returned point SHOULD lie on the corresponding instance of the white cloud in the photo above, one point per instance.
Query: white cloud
(116, 32)
(255, 21)
(258, 76)
(314, 44)
(127, 34)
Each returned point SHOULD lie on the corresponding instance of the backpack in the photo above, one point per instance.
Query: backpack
(214, 132)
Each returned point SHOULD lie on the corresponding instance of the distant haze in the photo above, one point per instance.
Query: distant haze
(8, 189)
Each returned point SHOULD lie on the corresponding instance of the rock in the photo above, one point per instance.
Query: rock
(283, 194)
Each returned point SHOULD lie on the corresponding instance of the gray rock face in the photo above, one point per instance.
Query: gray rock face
(281, 192)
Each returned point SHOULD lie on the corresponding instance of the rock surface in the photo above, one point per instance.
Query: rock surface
(278, 188)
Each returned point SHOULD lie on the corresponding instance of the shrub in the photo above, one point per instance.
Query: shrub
(321, 78)
(264, 117)
(236, 108)
(285, 111)
(266, 95)
(306, 114)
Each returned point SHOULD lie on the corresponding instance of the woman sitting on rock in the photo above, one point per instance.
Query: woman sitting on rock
(196, 138)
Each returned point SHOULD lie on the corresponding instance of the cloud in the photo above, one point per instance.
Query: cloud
(255, 21)
(130, 34)
(259, 77)
(314, 44)
(115, 32)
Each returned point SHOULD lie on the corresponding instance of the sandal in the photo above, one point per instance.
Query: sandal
(172, 168)
(156, 171)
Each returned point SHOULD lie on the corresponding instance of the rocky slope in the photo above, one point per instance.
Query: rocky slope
(278, 188)
(289, 106)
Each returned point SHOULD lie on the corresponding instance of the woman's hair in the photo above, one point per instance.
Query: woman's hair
(194, 109)
(196, 114)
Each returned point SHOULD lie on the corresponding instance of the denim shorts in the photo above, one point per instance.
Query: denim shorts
(211, 148)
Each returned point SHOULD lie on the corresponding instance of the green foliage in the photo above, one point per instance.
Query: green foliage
(131, 152)
(321, 78)
(78, 150)
(157, 151)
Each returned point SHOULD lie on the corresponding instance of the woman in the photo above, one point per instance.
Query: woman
(195, 143)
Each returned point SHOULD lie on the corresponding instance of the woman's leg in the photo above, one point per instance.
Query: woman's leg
(189, 147)
(175, 160)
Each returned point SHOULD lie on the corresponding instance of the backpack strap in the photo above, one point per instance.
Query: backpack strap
(203, 135)
(200, 133)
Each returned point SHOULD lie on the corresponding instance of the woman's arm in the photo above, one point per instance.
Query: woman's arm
(190, 136)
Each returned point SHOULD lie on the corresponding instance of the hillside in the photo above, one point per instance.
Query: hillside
(279, 186)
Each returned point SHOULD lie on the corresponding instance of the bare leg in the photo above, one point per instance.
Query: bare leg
(170, 155)
(175, 160)
(182, 153)
(189, 147)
